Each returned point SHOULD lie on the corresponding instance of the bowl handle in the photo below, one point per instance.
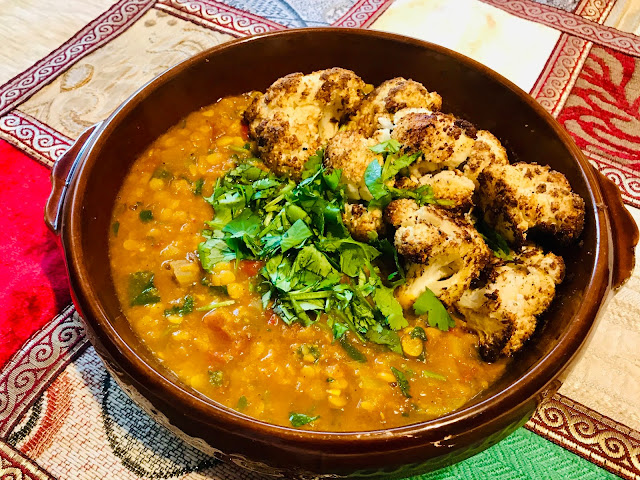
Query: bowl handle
(62, 176)
(624, 232)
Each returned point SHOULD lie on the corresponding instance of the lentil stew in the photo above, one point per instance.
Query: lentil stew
(212, 330)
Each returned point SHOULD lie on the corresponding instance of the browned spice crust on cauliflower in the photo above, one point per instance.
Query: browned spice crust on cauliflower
(445, 253)
(517, 198)
(363, 223)
(349, 151)
(390, 97)
(444, 140)
(299, 113)
(487, 150)
(448, 185)
(504, 311)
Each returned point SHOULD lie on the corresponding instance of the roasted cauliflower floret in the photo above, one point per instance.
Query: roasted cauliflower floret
(390, 97)
(445, 253)
(448, 185)
(363, 223)
(487, 150)
(299, 113)
(349, 151)
(517, 198)
(444, 140)
(503, 312)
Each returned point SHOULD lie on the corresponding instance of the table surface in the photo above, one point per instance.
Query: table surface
(65, 65)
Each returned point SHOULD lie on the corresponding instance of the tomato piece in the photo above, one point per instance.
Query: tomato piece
(245, 131)
(251, 267)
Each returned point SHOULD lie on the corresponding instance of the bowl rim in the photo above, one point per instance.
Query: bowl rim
(532, 383)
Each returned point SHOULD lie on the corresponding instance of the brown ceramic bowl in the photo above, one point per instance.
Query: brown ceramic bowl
(86, 181)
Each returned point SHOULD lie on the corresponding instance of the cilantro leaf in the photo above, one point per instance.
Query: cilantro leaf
(437, 376)
(213, 251)
(389, 307)
(385, 337)
(242, 403)
(332, 179)
(393, 165)
(352, 351)
(216, 378)
(403, 383)
(146, 216)
(295, 236)
(339, 329)
(494, 240)
(246, 223)
(214, 305)
(418, 332)
(142, 290)
(437, 315)
(278, 271)
(389, 146)
(197, 187)
(312, 260)
(300, 419)
(162, 173)
(181, 310)
(313, 164)
(373, 180)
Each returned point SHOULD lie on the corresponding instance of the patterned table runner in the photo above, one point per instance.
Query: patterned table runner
(67, 65)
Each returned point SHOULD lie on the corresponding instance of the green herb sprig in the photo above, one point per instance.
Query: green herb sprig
(313, 267)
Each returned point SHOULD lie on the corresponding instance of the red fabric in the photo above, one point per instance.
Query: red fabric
(606, 119)
(32, 272)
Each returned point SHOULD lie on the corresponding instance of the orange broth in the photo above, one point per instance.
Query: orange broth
(243, 356)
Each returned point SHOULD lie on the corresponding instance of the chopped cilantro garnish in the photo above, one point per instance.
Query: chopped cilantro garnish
(385, 337)
(181, 310)
(216, 378)
(197, 186)
(142, 290)
(494, 240)
(162, 173)
(418, 332)
(437, 315)
(389, 307)
(242, 403)
(300, 419)
(389, 146)
(402, 381)
(214, 305)
(373, 180)
(146, 216)
(314, 270)
(115, 227)
(295, 236)
(436, 376)
(352, 351)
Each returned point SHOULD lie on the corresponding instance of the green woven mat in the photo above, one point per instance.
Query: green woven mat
(522, 455)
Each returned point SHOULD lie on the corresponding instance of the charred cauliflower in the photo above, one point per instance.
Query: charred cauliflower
(444, 253)
(349, 151)
(448, 185)
(444, 140)
(517, 198)
(390, 97)
(503, 312)
(299, 113)
(466, 169)
(487, 150)
(361, 222)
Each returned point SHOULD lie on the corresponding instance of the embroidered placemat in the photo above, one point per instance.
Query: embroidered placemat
(67, 65)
